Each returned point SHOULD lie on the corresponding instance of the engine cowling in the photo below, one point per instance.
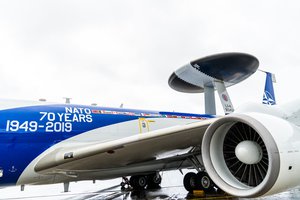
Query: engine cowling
(252, 154)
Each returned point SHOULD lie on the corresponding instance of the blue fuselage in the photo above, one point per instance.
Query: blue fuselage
(26, 132)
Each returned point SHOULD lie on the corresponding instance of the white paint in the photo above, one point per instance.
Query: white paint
(113, 134)
(248, 152)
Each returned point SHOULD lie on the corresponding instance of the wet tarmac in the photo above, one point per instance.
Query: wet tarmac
(170, 193)
(114, 192)
(171, 189)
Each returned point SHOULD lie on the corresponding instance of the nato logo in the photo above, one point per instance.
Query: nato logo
(268, 99)
(225, 97)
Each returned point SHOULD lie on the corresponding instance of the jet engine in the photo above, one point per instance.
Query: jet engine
(252, 154)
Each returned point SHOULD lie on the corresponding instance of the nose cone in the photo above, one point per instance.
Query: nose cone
(248, 152)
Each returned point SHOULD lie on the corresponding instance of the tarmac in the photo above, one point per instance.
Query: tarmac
(171, 189)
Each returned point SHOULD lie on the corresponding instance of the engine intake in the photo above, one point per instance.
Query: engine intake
(241, 156)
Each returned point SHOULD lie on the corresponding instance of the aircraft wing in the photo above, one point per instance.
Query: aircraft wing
(140, 148)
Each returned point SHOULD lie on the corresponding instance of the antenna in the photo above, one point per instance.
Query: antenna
(68, 100)
(215, 72)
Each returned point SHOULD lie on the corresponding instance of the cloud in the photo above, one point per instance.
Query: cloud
(123, 52)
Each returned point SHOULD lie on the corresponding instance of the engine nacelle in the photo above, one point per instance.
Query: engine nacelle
(252, 154)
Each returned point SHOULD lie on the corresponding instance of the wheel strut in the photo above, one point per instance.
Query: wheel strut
(125, 183)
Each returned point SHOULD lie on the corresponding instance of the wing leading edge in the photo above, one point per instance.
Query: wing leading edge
(136, 149)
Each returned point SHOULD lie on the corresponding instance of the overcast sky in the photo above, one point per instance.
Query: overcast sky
(116, 51)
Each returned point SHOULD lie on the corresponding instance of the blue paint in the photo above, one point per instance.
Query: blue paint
(19, 148)
(269, 95)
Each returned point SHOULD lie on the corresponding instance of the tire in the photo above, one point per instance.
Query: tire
(138, 182)
(205, 182)
(154, 180)
(190, 181)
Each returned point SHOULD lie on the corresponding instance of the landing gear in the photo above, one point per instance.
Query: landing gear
(190, 181)
(200, 181)
(140, 182)
(154, 181)
(205, 182)
(125, 183)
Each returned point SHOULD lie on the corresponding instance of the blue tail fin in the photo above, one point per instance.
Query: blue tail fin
(269, 96)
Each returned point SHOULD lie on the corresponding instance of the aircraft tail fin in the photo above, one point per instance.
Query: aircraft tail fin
(269, 95)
